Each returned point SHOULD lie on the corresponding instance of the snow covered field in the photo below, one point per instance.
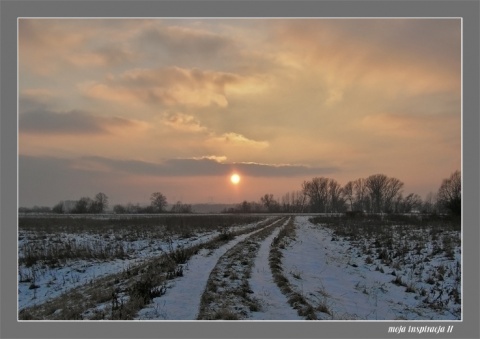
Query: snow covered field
(327, 268)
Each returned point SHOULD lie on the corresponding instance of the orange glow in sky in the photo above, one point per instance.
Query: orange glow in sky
(134, 106)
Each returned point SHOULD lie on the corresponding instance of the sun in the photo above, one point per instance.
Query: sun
(235, 179)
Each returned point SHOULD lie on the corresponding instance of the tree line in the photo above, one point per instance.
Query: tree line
(377, 193)
(100, 204)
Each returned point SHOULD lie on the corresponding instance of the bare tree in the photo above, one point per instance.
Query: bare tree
(411, 203)
(269, 202)
(361, 194)
(180, 207)
(100, 203)
(450, 193)
(317, 192)
(324, 195)
(347, 193)
(335, 201)
(430, 203)
(382, 190)
(58, 208)
(158, 202)
(391, 191)
(83, 205)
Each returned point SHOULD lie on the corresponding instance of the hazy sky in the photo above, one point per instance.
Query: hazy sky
(129, 107)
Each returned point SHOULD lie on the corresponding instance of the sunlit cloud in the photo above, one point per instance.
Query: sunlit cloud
(217, 158)
(183, 122)
(170, 86)
(235, 139)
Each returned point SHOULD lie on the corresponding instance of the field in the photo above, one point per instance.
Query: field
(239, 267)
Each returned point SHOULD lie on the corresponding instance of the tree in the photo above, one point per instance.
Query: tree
(347, 193)
(324, 195)
(430, 203)
(158, 202)
(412, 202)
(179, 207)
(450, 193)
(119, 209)
(269, 202)
(83, 205)
(362, 200)
(383, 192)
(335, 200)
(58, 208)
(245, 207)
(100, 203)
(317, 192)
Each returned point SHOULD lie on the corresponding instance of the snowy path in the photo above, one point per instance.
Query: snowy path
(274, 303)
(228, 295)
(327, 275)
(182, 299)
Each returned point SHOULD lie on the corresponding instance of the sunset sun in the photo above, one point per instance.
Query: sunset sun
(235, 179)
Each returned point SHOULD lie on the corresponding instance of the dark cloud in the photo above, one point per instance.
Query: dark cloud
(47, 180)
(201, 167)
(175, 167)
(42, 121)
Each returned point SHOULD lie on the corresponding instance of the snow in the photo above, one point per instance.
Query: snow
(53, 282)
(182, 300)
(274, 303)
(332, 274)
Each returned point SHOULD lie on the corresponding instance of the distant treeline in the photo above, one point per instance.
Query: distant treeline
(377, 193)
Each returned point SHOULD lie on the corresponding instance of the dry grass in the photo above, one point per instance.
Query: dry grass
(403, 246)
(120, 296)
(50, 240)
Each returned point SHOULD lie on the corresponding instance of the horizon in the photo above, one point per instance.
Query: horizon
(129, 107)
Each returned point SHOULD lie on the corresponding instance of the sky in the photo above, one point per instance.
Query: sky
(129, 107)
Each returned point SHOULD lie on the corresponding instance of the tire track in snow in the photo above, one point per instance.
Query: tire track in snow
(182, 299)
(228, 295)
(274, 303)
(295, 298)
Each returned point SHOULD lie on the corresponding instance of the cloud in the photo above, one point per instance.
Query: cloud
(183, 41)
(235, 139)
(216, 158)
(170, 86)
(36, 98)
(268, 170)
(48, 46)
(409, 56)
(412, 127)
(183, 122)
(71, 122)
